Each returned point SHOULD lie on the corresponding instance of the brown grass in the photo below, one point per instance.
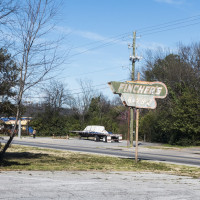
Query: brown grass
(30, 158)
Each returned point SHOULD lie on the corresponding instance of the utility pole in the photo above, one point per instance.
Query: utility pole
(133, 59)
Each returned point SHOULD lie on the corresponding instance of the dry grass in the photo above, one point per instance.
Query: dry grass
(30, 158)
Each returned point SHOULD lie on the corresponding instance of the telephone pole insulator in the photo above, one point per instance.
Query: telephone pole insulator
(134, 58)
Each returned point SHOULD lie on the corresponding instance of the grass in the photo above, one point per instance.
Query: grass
(178, 146)
(170, 147)
(36, 159)
(165, 147)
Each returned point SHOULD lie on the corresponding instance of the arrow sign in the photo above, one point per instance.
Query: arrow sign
(139, 94)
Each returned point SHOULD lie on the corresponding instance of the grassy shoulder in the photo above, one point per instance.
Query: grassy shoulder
(31, 158)
(171, 147)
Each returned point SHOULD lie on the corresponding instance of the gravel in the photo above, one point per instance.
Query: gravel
(96, 186)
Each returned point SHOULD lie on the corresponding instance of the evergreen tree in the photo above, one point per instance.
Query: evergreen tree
(8, 80)
(176, 119)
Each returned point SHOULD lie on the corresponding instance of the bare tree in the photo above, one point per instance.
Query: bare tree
(36, 55)
(80, 104)
(191, 55)
(56, 95)
(7, 7)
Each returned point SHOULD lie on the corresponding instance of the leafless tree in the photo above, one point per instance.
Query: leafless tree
(56, 95)
(151, 57)
(81, 102)
(191, 55)
(7, 7)
(181, 66)
(35, 53)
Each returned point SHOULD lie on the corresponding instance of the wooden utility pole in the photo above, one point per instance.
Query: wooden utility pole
(133, 59)
(137, 127)
(128, 136)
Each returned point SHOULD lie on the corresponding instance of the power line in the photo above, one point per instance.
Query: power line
(144, 29)
(34, 97)
(91, 72)
(120, 36)
(152, 29)
(149, 30)
(171, 29)
(164, 28)
(77, 93)
(99, 46)
(170, 23)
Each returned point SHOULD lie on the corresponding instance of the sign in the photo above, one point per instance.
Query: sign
(139, 94)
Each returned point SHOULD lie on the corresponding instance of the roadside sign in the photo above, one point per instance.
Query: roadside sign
(139, 94)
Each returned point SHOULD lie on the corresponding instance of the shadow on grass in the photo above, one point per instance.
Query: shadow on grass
(25, 155)
(133, 159)
(6, 163)
(11, 158)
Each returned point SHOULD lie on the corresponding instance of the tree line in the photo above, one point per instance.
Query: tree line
(100, 111)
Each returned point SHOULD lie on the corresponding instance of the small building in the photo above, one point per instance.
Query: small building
(9, 122)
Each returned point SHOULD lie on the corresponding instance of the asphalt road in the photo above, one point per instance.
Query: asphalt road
(189, 158)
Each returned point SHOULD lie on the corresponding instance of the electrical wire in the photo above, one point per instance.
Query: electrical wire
(99, 89)
(168, 29)
(112, 42)
(91, 72)
(149, 30)
(144, 32)
(170, 23)
(120, 36)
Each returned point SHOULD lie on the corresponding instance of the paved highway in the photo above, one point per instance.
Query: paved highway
(158, 155)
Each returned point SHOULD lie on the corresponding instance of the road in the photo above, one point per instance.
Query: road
(180, 157)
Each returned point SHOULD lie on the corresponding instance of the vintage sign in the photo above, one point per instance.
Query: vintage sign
(139, 94)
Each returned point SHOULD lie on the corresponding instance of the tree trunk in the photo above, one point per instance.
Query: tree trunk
(13, 133)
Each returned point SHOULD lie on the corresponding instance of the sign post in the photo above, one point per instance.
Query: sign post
(137, 128)
(139, 94)
(136, 135)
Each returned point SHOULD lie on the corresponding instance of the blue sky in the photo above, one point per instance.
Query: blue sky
(87, 24)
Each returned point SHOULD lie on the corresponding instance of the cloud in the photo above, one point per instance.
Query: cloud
(84, 34)
(90, 35)
(176, 2)
(63, 30)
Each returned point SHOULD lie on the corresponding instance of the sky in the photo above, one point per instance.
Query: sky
(97, 34)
